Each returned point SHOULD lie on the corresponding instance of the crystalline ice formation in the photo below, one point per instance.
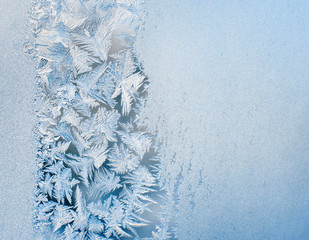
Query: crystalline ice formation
(97, 164)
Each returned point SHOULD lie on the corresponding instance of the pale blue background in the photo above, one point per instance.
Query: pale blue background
(229, 96)
(16, 123)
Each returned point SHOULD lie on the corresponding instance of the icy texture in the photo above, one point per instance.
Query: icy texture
(229, 100)
(97, 164)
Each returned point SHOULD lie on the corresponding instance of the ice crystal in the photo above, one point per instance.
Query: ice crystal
(95, 179)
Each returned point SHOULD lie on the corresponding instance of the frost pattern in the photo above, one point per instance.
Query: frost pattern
(97, 176)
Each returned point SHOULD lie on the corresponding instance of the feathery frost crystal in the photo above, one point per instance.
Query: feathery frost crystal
(97, 164)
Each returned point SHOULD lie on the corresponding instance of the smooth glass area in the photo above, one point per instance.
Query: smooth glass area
(229, 99)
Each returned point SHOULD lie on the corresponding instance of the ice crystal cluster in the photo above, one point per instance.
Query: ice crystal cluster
(97, 164)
